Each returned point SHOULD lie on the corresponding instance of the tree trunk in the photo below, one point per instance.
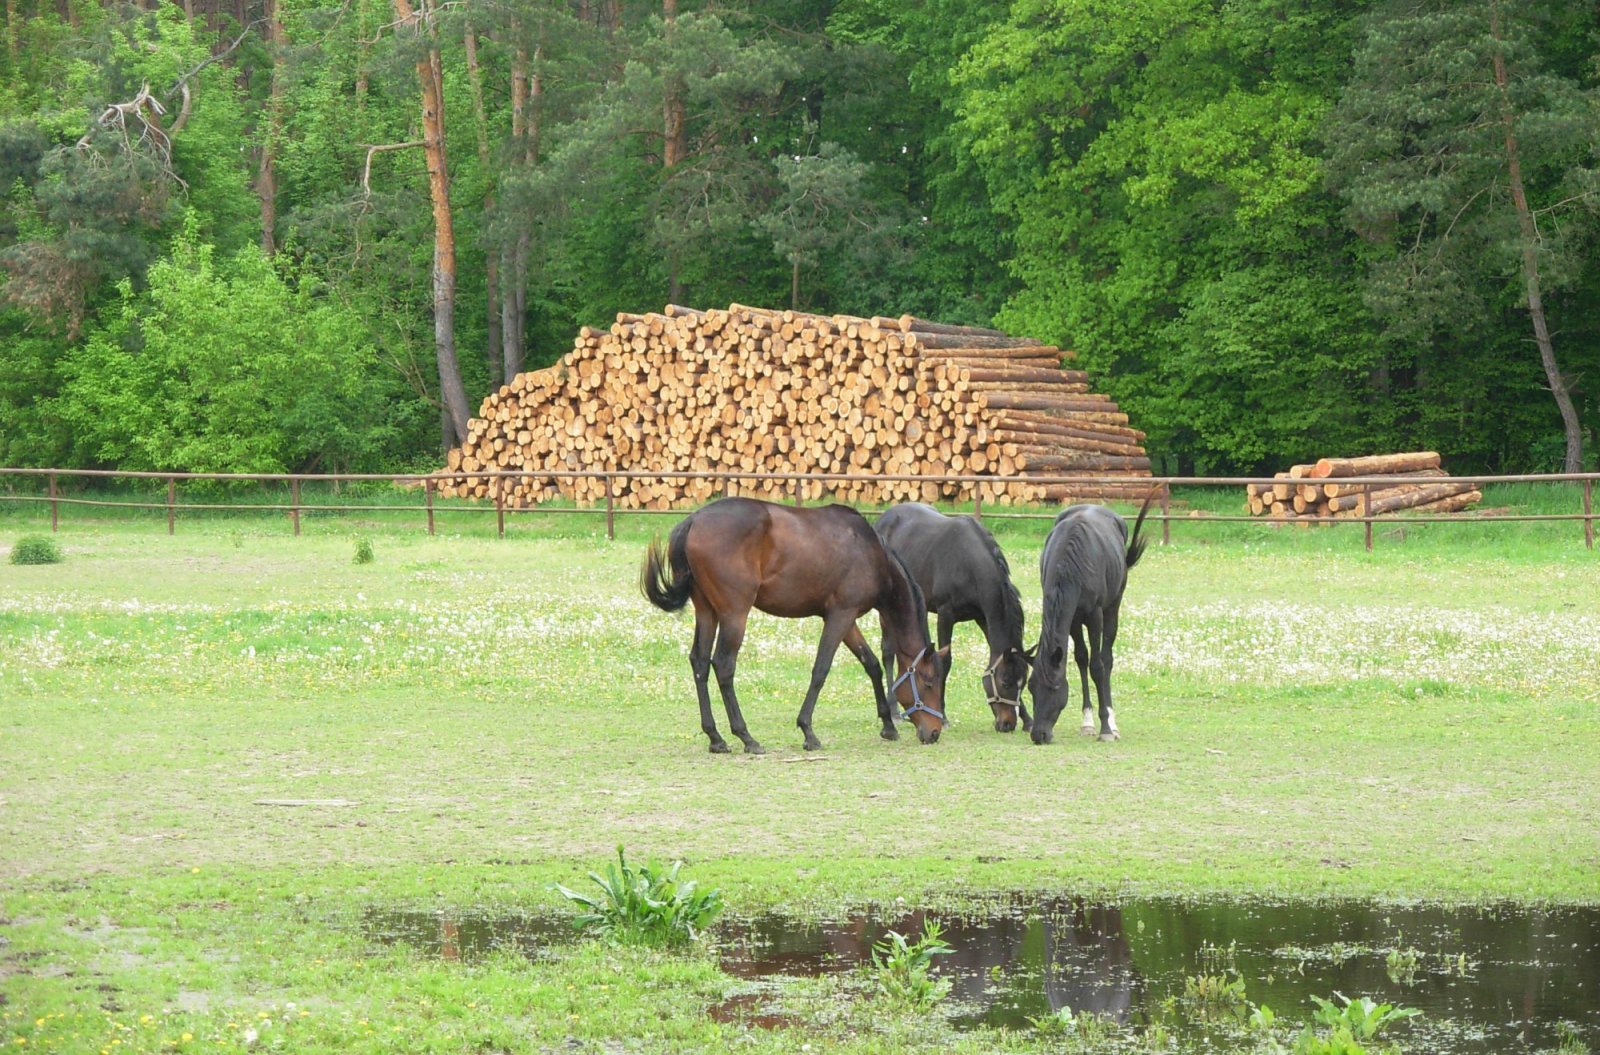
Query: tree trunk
(11, 31)
(267, 176)
(527, 97)
(491, 252)
(1530, 259)
(444, 239)
(794, 284)
(672, 136)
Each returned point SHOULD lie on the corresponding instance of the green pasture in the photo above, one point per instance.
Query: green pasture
(219, 749)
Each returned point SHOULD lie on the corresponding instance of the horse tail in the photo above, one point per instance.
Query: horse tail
(1136, 544)
(668, 594)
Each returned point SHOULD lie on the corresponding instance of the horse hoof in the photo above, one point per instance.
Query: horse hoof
(813, 744)
(1112, 735)
(889, 734)
(753, 748)
(1086, 730)
(719, 748)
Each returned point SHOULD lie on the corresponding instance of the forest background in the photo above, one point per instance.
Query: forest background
(308, 235)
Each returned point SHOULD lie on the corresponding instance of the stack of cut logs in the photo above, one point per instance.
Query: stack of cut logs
(1415, 483)
(755, 390)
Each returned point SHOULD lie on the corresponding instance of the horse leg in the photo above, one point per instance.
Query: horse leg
(730, 635)
(1103, 658)
(834, 627)
(1080, 654)
(705, 632)
(946, 631)
(886, 650)
(855, 642)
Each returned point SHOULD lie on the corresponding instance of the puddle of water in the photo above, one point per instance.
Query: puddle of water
(467, 936)
(1488, 978)
(749, 1009)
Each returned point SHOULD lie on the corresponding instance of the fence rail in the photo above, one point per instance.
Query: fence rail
(429, 482)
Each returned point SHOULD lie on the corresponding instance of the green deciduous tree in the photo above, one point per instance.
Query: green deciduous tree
(1159, 161)
(226, 367)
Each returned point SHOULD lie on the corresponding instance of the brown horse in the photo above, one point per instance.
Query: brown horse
(739, 553)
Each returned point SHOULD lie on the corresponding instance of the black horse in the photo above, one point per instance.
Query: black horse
(965, 578)
(740, 553)
(1084, 568)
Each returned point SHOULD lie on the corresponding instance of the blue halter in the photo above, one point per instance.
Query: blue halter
(916, 695)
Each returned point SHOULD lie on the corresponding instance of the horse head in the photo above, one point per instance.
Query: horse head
(918, 691)
(1048, 685)
(1002, 683)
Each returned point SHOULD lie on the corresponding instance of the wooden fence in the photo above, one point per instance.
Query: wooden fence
(427, 483)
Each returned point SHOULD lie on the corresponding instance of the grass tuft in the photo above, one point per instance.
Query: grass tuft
(35, 549)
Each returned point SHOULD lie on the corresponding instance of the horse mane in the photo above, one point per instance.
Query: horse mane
(1009, 597)
(1070, 574)
(918, 599)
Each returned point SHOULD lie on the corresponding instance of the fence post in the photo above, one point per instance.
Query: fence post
(1166, 515)
(1366, 512)
(427, 489)
(294, 503)
(499, 505)
(611, 509)
(977, 505)
(1588, 514)
(55, 515)
(172, 504)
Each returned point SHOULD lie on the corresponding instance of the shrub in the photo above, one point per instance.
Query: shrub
(902, 967)
(644, 905)
(35, 549)
(363, 551)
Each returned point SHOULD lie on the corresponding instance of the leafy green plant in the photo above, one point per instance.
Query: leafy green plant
(644, 905)
(363, 551)
(1213, 996)
(1567, 1040)
(35, 549)
(1458, 965)
(1218, 959)
(1350, 1026)
(902, 966)
(1402, 965)
(1086, 1027)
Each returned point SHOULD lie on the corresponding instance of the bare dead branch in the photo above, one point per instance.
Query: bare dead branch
(366, 170)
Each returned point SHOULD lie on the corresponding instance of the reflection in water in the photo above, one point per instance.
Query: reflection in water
(1488, 978)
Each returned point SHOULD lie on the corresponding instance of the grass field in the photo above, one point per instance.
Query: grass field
(465, 719)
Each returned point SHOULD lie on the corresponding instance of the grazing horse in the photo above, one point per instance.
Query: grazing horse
(1084, 568)
(965, 578)
(740, 553)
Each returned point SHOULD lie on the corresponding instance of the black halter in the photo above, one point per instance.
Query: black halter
(916, 695)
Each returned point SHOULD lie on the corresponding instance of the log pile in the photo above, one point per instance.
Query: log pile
(1414, 483)
(755, 390)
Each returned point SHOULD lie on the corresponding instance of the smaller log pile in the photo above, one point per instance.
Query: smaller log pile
(1317, 490)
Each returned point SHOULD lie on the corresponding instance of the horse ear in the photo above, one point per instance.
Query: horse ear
(1057, 655)
(944, 653)
(1030, 653)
